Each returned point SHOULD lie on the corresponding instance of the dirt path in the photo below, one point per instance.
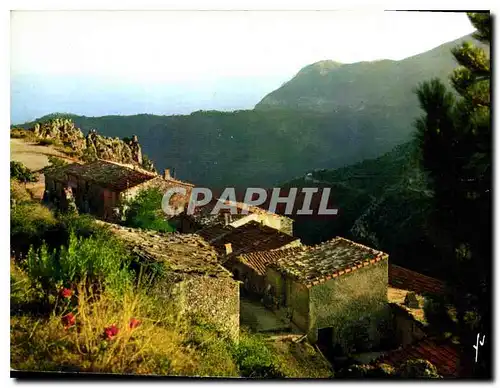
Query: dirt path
(32, 155)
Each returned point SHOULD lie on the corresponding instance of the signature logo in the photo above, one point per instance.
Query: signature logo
(478, 344)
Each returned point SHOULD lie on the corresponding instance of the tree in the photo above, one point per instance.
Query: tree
(454, 136)
(144, 211)
(21, 173)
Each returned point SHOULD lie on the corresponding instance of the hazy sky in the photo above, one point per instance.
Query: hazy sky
(185, 45)
(98, 63)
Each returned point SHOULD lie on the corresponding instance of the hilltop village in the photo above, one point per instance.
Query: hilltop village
(249, 270)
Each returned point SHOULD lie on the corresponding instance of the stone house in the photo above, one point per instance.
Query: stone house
(102, 187)
(192, 279)
(251, 268)
(336, 292)
(409, 322)
(229, 241)
(203, 219)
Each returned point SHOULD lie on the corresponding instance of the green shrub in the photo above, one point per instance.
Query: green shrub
(20, 133)
(30, 222)
(144, 211)
(96, 261)
(255, 359)
(436, 314)
(18, 192)
(417, 369)
(212, 346)
(20, 172)
(357, 371)
(54, 161)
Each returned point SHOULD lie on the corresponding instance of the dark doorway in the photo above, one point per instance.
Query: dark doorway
(325, 342)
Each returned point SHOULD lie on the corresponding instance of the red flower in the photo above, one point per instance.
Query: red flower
(134, 323)
(68, 320)
(66, 293)
(110, 332)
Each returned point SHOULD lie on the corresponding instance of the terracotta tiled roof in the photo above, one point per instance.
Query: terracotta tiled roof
(403, 278)
(214, 232)
(103, 173)
(444, 356)
(259, 261)
(251, 237)
(331, 259)
(253, 209)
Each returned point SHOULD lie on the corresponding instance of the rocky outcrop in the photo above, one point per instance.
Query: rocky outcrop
(93, 146)
(61, 130)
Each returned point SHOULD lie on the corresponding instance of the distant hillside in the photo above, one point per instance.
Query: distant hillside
(330, 115)
(382, 202)
(328, 86)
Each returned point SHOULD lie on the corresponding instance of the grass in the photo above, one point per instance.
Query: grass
(300, 360)
(18, 191)
(155, 346)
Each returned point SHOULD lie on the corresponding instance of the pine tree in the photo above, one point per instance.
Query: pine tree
(454, 136)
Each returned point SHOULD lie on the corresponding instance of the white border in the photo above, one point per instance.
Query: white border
(181, 5)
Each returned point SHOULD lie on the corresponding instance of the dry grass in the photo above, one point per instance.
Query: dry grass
(19, 192)
(396, 295)
(153, 347)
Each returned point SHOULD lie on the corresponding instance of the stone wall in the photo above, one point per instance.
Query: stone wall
(406, 329)
(354, 305)
(214, 299)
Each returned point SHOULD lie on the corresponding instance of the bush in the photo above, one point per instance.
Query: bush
(20, 133)
(96, 261)
(417, 369)
(145, 212)
(30, 222)
(436, 314)
(82, 225)
(367, 371)
(54, 161)
(20, 172)
(255, 359)
(212, 346)
(18, 192)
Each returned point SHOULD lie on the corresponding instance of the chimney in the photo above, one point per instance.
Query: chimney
(166, 174)
(229, 248)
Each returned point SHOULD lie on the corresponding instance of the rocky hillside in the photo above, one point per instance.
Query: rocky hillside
(64, 132)
(327, 86)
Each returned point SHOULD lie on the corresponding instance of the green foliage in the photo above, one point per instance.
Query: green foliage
(436, 313)
(255, 359)
(89, 155)
(95, 261)
(144, 211)
(18, 192)
(54, 161)
(29, 223)
(417, 369)
(20, 172)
